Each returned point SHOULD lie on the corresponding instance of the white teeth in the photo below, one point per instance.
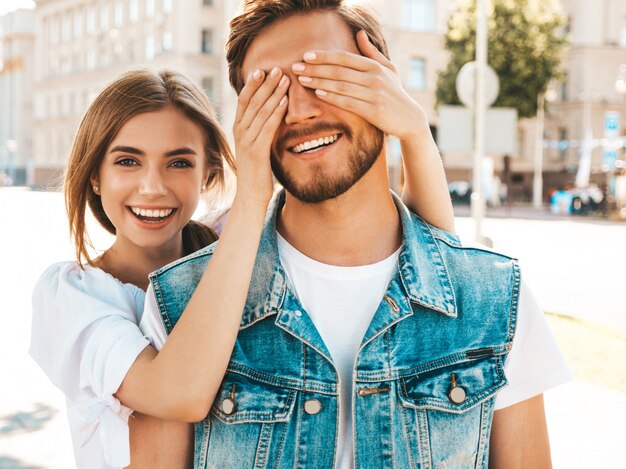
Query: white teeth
(312, 144)
(157, 213)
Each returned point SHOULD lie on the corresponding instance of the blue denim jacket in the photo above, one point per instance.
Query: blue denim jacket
(425, 377)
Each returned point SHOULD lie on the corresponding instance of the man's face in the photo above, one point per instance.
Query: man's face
(319, 151)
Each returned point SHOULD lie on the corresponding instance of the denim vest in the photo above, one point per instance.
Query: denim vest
(424, 379)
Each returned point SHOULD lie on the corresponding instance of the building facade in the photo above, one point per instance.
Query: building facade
(83, 44)
(597, 32)
(17, 43)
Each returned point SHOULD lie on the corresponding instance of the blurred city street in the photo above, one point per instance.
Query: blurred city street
(573, 265)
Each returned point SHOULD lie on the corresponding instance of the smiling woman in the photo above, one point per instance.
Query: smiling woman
(147, 148)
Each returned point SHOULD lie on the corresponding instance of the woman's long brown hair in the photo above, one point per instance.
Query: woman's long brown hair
(134, 93)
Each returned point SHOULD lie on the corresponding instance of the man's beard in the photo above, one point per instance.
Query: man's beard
(365, 151)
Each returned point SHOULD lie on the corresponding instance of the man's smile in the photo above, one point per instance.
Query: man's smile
(312, 145)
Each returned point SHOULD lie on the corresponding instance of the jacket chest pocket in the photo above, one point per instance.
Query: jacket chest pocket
(248, 423)
(448, 411)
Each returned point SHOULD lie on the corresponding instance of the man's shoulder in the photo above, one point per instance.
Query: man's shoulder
(451, 242)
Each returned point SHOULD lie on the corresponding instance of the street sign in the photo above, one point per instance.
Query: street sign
(611, 132)
(609, 159)
(611, 124)
(454, 133)
(466, 88)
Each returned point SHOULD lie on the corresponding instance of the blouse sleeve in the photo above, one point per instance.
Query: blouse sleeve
(85, 337)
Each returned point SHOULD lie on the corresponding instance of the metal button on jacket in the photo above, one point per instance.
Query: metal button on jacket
(228, 406)
(312, 406)
(457, 395)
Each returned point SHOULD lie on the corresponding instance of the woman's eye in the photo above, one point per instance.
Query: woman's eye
(126, 162)
(181, 164)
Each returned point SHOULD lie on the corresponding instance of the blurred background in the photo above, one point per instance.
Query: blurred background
(551, 172)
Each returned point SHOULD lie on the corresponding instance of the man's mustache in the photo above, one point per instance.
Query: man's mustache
(310, 130)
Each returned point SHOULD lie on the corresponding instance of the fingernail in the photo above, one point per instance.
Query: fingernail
(321, 92)
(283, 101)
(257, 74)
(275, 72)
(304, 79)
(298, 67)
(283, 81)
(309, 56)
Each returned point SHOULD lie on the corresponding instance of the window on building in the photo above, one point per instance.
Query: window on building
(39, 109)
(417, 74)
(167, 6)
(90, 21)
(207, 41)
(133, 12)
(118, 50)
(133, 51)
(66, 65)
(207, 3)
(166, 45)
(562, 143)
(90, 60)
(104, 18)
(563, 92)
(149, 48)
(78, 24)
(77, 65)
(119, 13)
(103, 57)
(207, 86)
(53, 31)
(54, 66)
(419, 15)
(622, 41)
(149, 8)
(66, 28)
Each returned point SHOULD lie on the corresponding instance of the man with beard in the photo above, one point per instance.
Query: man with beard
(369, 337)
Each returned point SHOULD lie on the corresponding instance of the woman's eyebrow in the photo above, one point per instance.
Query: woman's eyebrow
(125, 149)
(136, 151)
(181, 151)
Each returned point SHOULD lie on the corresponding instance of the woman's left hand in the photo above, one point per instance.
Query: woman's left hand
(367, 85)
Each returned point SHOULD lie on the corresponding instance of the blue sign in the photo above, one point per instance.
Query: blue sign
(609, 159)
(611, 124)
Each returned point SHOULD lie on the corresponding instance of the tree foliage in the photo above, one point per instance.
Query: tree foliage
(525, 46)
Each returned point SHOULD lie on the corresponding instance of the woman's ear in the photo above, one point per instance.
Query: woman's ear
(95, 185)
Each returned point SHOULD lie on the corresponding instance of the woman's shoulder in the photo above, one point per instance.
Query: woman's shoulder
(71, 285)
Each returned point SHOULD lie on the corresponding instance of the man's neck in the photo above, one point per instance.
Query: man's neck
(360, 227)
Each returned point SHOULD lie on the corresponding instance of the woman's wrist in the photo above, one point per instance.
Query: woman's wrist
(250, 202)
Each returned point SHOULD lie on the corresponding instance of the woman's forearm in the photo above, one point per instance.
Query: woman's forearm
(180, 382)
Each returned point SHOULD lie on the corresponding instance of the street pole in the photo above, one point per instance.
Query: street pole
(478, 201)
(538, 176)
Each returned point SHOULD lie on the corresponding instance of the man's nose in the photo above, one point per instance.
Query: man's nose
(152, 183)
(303, 103)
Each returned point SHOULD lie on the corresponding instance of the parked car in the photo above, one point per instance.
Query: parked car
(576, 201)
(460, 192)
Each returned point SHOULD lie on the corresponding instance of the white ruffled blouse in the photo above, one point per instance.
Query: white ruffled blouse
(85, 336)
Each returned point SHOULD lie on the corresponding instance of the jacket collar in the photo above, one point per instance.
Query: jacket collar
(422, 268)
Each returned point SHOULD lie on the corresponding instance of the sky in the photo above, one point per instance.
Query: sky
(10, 5)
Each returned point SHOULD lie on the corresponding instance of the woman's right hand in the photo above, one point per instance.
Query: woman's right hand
(260, 109)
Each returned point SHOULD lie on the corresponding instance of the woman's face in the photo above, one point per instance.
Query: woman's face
(151, 177)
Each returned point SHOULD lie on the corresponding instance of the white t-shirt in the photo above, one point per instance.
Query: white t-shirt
(327, 293)
(85, 336)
